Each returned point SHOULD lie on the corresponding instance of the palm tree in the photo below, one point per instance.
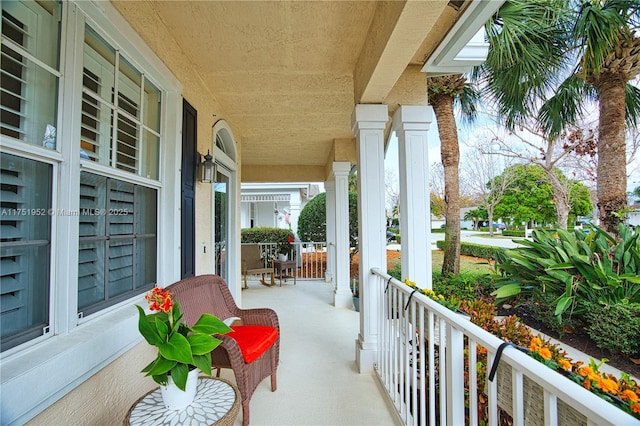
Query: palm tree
(443, 92)
(521, 23)
(592, 52)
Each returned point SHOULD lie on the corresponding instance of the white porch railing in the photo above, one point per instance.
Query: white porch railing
(430, 373)
(310, 257)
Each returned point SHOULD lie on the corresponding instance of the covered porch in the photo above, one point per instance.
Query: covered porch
(275, 91)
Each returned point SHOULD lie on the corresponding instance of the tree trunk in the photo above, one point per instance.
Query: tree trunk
(450, 155)
(561, 199)
(612, 156)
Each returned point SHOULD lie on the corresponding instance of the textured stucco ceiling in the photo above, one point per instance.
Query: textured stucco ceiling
(287, 74)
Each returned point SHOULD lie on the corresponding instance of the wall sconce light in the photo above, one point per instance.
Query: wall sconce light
(207, 168)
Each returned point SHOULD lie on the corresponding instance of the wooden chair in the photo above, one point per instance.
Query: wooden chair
(252, 350)
(253, 264)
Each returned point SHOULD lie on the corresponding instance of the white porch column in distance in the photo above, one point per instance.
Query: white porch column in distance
(342, 297)
(330, 190)
(411, 124)
(368, 123)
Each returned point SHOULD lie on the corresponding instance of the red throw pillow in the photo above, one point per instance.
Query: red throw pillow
(253, 340)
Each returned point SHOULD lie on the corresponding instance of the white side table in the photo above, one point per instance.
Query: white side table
(217, 402)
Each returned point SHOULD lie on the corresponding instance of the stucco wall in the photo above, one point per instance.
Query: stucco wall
(105, 398)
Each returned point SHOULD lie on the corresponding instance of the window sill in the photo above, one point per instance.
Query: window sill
(35, 378)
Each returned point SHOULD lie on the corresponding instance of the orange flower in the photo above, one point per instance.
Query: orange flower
(545, 353)
(635, 408)
(565, 364)
(630, 395)
(587, 384)
(535, 344)
(588, 372)
(159, 300)
(608, 385)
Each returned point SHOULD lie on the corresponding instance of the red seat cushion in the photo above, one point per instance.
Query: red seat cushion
(253, 340)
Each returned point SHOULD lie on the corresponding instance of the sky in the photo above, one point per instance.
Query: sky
(466, 137)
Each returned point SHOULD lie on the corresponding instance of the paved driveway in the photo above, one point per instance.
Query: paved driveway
(475, 237)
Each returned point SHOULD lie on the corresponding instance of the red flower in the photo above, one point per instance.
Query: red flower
(159, 300)
(290, 239)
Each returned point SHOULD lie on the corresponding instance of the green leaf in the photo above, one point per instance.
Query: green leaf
(562, 305)
(162, 327)
(507, 290)
(203, 362)
(148, 331)
(177, 349)
(202, 343)
(179, 375)
(159, 366)
(209, 324)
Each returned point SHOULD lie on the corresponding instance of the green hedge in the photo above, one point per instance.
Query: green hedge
(615, 327)
(475, 250)
(268, 235)
(513, 233)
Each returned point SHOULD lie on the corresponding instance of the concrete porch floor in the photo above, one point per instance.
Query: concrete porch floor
(318, 383)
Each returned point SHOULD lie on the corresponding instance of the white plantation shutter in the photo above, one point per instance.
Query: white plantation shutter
(25, 200)
(117, 252)
(29, 88)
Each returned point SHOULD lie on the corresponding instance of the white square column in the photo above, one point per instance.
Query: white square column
(342, 297)
(330, 191)
(411, 124)
(368, 123)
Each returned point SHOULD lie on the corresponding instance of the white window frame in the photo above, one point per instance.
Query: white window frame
(73, 341)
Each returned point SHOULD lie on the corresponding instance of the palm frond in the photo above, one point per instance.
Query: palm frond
(564, 106)
(632, 95)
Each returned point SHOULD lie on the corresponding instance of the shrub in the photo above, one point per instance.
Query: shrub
(573, 268)
(513, 233)
(283, 238)
(312, 223)
(615, 327)
(466, 285)
(475, 250)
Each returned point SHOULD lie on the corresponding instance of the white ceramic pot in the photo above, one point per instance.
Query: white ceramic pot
(283, 257)
(176, 399)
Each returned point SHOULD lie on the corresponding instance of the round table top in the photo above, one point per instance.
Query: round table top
(217, 402)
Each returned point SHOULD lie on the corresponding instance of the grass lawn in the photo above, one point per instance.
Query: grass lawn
(467, 263)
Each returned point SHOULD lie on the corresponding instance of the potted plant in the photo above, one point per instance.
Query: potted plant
(355, 291)
(183, 351)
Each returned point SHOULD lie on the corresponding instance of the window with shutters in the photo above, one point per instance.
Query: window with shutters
(120, 127)
(117, 252)
(120, 123)
(29, 65)
(25, 244)
(28, 116)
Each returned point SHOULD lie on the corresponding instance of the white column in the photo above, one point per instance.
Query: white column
(330, 190)
(368, 123)
(342, 296)
(411, 124)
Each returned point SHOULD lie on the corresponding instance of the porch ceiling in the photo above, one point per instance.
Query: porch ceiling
(286, 74)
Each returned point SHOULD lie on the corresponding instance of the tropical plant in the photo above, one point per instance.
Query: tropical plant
(180, 347)
(573, 269)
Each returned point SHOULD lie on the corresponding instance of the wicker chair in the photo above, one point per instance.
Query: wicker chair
(210, 294)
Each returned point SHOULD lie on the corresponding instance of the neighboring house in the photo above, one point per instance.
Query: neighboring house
(633, 217)
(438, 221)
(108, 112)
(275, 205)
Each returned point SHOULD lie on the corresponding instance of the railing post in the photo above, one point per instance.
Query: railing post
(454, 354)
